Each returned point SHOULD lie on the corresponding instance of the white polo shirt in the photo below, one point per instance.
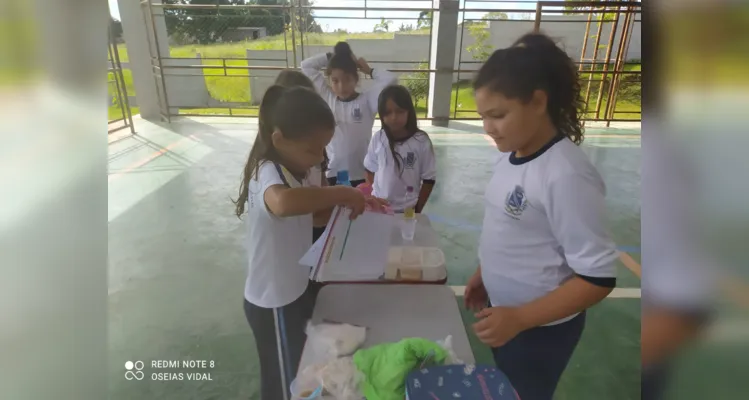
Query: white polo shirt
(544, 222)
(275, 245)
(417, 163)
(354, 118)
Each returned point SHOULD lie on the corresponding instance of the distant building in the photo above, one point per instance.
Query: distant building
(243, 33)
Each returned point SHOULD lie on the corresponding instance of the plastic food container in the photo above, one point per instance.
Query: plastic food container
(415, 263)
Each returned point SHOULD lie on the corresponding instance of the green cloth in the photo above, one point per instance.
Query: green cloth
(386, 366)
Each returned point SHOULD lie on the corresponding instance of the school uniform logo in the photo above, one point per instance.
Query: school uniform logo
(356, 113)
(410, 159)
(516, 202)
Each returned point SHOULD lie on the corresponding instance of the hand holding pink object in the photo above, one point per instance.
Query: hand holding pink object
(374, 204)
(365, 188)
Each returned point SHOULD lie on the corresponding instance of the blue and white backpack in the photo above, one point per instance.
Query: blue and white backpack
(449, 382)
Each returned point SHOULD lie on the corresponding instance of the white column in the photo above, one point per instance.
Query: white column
(137, 31)
(442, 59)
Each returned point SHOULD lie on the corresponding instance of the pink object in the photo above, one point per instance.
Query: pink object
(367, 190)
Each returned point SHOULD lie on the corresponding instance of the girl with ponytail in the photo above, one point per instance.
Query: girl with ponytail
(335, 76)
(295, 126)
(544, 254)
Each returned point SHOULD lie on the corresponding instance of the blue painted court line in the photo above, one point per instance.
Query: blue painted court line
(468, 227)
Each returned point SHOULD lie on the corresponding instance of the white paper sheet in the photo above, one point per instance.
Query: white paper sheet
(312, 257)
(351, 250)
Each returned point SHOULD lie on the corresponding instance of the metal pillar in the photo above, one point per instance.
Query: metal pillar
(442, 59)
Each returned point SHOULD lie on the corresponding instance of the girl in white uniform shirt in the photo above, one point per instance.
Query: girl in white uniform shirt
(354, 112)
(400, 160)
(280, 203)
(544, 253)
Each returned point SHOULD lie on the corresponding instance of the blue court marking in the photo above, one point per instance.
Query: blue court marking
(469, 227)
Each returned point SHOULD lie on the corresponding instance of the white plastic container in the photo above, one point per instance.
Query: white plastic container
(415, 263)
(408, 229)
(306, 387)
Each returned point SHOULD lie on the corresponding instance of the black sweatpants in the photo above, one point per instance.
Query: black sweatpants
(535, 359)
(262, 322)
(332, 182)
(655, 381)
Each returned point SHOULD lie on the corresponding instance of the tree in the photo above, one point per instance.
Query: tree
(405, 28)
(494, 16)
(417, 83)
(383, 25)
(208, 25)
(481, 49)
(575, 10)
(305, 17)
(425, 20)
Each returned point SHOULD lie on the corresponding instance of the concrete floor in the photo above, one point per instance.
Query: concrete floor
(177, 262)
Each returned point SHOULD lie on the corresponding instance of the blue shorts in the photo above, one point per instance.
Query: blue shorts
(535, 359)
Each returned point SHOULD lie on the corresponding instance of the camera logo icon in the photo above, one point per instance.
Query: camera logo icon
(134, 370)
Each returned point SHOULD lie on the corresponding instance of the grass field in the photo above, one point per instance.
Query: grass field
(236, 86)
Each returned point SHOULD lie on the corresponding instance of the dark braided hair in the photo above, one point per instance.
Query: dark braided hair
(535, 62)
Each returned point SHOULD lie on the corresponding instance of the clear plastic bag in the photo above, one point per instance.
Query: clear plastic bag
(332, 340)
(339, 377)
(447, 344)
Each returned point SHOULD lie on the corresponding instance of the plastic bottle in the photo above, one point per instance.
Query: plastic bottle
(342, 178)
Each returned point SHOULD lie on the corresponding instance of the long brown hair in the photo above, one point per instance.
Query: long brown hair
(535, 62)
(402, 98)
(295, 112)
(289, 78)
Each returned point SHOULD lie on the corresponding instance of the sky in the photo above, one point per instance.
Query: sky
(361, 25)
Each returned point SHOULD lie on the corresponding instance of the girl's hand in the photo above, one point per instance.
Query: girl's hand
(475, 297)
(352, 198)
(363, 66)
(376, 203)
(498, 325)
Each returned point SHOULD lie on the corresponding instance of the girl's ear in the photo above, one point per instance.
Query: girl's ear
(538, 101)
(277, 139)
